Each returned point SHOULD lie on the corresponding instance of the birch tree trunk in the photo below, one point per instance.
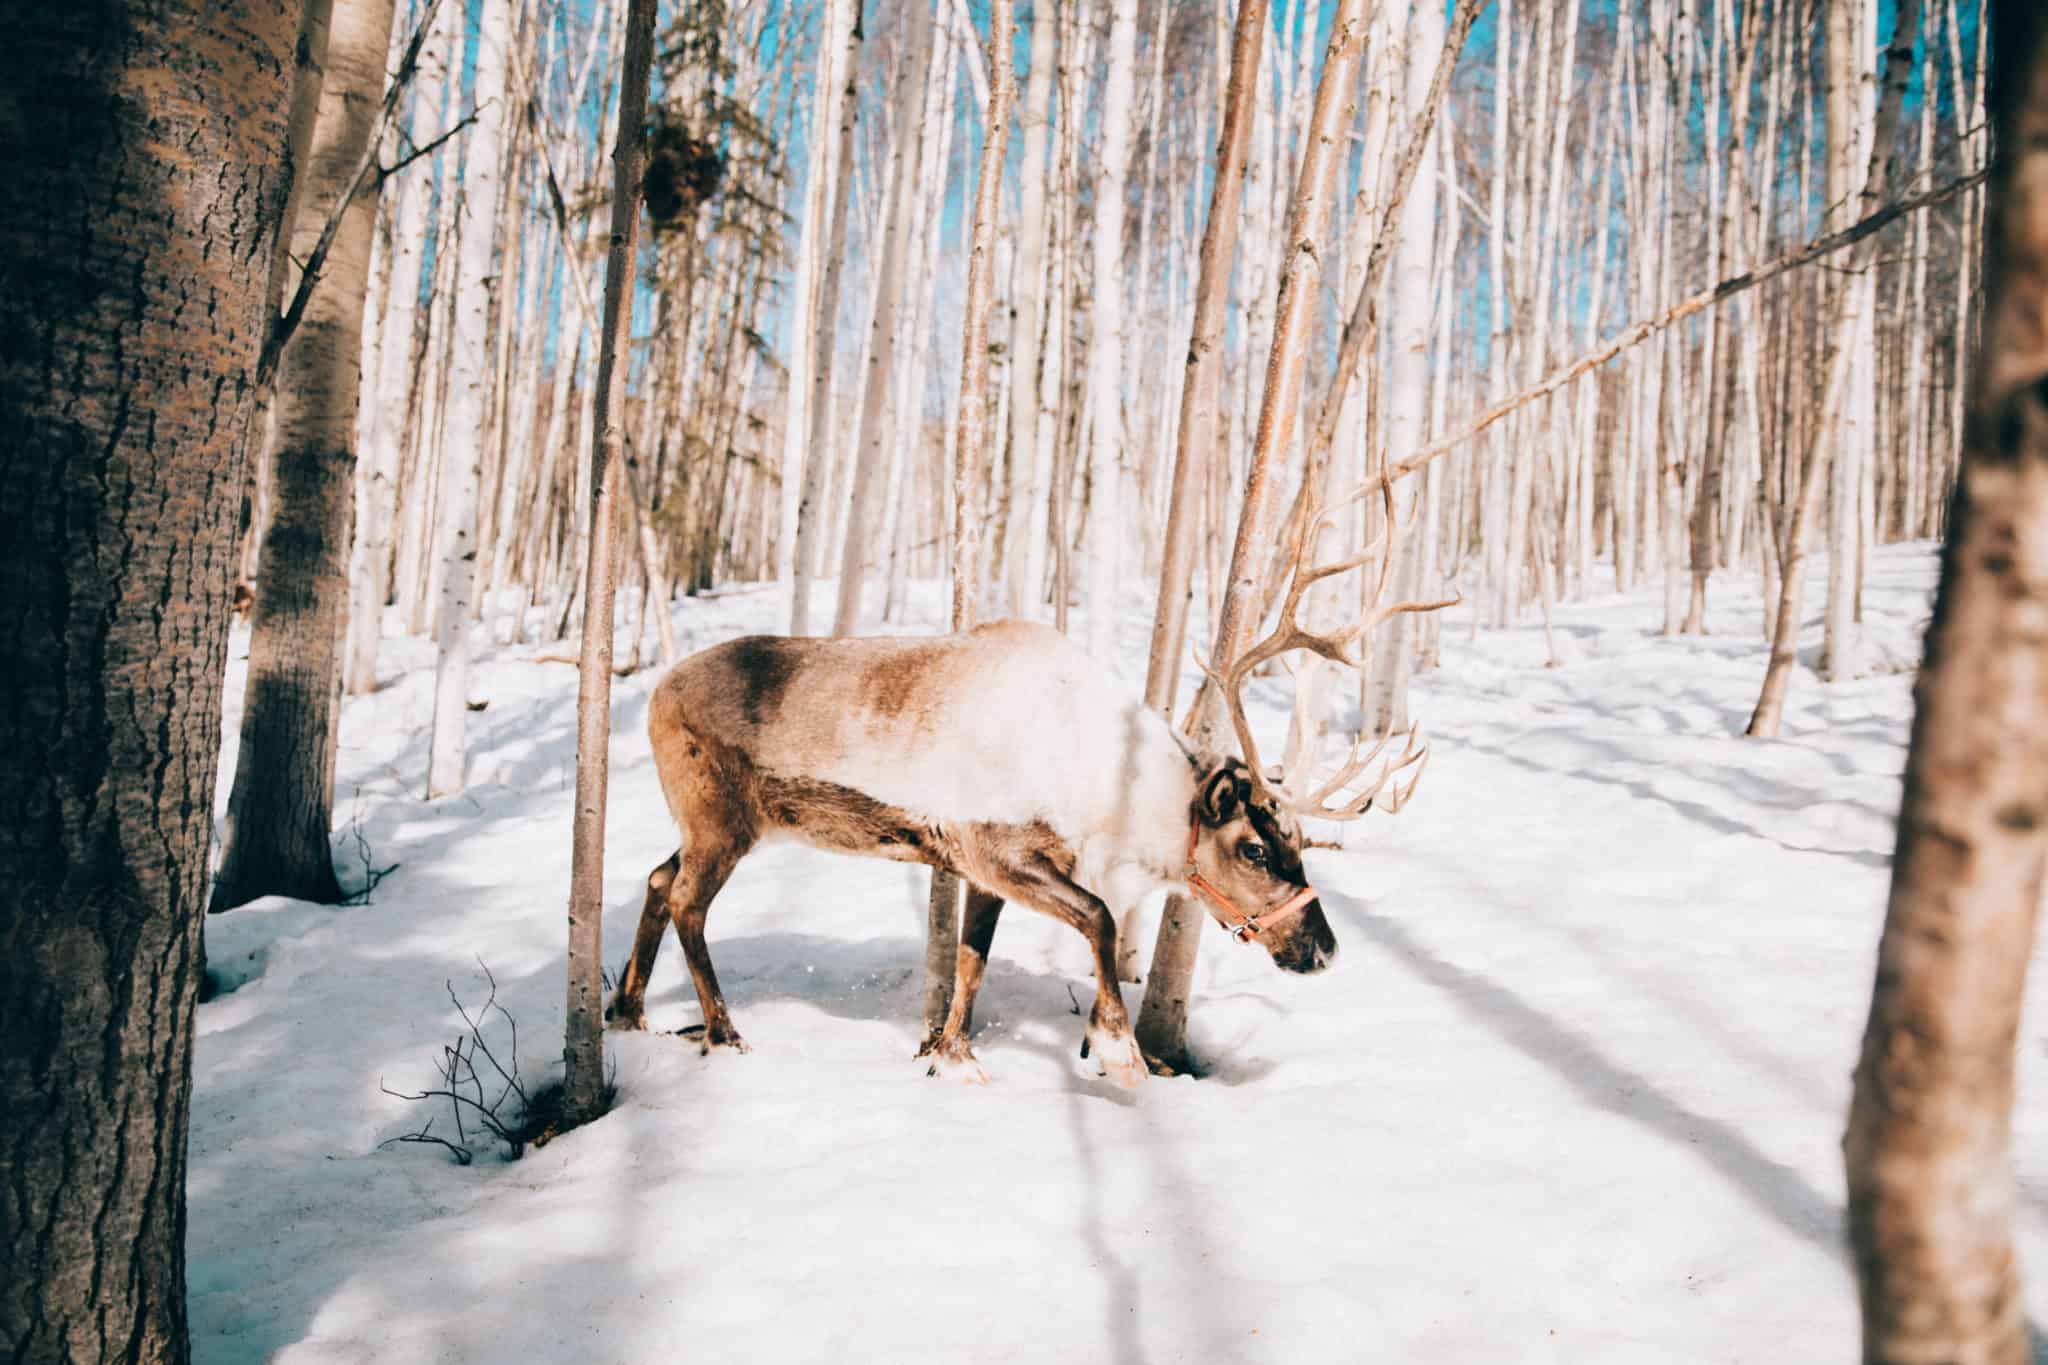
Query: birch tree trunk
(139, 283)
(1930, 1129)
(1848, 150)
(1027, 320)
(1722, 339)
(1106, 344)
(1201, 393)
(823, 420)
(1407, 399)
(467, 423)
(821, 172)
(1162, 1026)
(970, 451)
(390, 389)
(281, 806)
(583, 1082)
(895, 246)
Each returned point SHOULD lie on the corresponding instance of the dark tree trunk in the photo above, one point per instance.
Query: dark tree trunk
(282, 803)
(142, 178)
(1930, 1129)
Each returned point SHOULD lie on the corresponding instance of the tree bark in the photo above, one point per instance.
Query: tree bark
(281, 806)
(136, 233)
(583, 1047)
(1927, 1153)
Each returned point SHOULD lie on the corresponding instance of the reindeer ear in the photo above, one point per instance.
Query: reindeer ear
(1224, 793)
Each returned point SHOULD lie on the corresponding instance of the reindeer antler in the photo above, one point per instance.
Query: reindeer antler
(1349, 647)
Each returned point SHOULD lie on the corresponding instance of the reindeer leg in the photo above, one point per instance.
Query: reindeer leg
(1034, 878)
(627, 1009)
(689, 901)
(977, 929)
(1109, 1027)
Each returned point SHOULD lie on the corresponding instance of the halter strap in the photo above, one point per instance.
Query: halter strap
(1224, 911)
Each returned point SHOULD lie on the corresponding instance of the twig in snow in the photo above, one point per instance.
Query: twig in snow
(532, 1121)
(372, 874)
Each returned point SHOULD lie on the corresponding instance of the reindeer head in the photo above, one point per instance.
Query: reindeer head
(1245, 854)
(1244, 859)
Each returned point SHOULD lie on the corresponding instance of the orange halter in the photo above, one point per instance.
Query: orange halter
(1225, 911)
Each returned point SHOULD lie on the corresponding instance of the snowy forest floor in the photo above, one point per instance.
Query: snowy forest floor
(1572, 1090)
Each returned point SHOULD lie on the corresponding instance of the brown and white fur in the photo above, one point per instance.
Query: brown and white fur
(1005, 754)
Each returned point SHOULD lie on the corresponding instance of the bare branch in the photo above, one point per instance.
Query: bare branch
(282, 327)
(1642, 331)
(386, 172)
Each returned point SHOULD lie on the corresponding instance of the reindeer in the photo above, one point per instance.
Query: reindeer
(1010, 757)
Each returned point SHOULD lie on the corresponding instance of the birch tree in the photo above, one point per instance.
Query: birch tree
(823, 171)
(821, 342)
(1027, 470)
(1201, 377)
(1836, 370)
(583, 1081)
(1162, 1025)
(944, 955)
(1106, 342)
(1851, 32)
(1410, 280)
(390, 387)
(469, 384)
(884, 339)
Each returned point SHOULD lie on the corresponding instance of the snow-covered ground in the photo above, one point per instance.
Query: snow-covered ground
(1572, 1090)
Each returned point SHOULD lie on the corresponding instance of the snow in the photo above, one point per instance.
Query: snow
(1572, 1091)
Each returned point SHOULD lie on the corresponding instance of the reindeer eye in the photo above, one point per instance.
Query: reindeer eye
(1255, 854)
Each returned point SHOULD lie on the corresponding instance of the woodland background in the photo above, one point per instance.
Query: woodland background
(1639, 312)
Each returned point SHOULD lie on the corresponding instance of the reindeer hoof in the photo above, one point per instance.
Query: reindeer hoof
(953, 1059)
(725, 1036)
(626, 1019)
(1119, 1057)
